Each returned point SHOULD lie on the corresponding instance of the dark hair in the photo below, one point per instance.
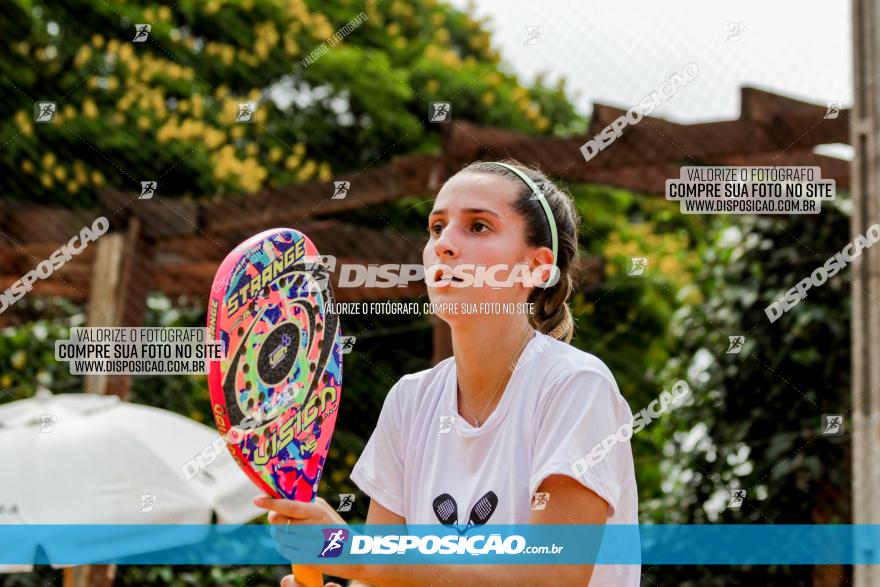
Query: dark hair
(552, 315)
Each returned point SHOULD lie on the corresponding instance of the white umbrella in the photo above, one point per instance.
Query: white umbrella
(93, 459)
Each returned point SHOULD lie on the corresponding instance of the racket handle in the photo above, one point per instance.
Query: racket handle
(308, 576)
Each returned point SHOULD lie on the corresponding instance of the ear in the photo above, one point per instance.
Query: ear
(541, 256)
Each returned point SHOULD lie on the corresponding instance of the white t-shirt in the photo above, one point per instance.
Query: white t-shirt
(559, 403)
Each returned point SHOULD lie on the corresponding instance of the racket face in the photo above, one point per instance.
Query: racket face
(276, 394)
(446, 509)
(483, 509)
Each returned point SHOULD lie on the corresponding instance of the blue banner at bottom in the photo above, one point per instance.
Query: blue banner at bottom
(421, 544)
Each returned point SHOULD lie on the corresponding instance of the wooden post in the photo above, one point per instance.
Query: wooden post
(118, 293)
(865, 180)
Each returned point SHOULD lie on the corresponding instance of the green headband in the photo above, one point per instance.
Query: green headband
(540, 197)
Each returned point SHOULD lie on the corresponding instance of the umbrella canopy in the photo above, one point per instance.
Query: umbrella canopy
(93, 459)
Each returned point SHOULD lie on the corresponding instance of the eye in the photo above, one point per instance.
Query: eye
(480, 223)
(435, 229)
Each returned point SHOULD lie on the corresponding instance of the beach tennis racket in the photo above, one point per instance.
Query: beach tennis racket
(275, 395)
(446, 510)
(482, 510)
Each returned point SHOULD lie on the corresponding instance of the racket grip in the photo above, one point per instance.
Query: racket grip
(308, 576)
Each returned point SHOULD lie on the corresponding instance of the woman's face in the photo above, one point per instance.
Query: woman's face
(473, 223)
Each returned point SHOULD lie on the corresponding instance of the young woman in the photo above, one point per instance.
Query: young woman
(509, 414)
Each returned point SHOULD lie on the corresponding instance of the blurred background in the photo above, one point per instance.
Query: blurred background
(347, 91)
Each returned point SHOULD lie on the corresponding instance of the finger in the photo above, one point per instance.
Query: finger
(332, 585)
(298, 510)
(278, 519)
(289, 581)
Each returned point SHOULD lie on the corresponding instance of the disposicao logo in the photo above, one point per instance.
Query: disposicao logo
(334, 541)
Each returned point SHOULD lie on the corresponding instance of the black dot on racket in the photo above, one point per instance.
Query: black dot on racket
(240, 331)
(246, 368)
(281, 281)
(248, 385)
(277, 353)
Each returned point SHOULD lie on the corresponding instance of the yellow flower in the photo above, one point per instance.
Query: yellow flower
(489, 99)
(143, 123)
(24, 123)
(292, 162)
(326, 173)
(214, 138)
(275, 154)
(79, 171)
(48, 160)
(126, 52)
(72, 186)
(69, 111)
(6, 381)
(432, 86)
(97, 178)
(291, 47)
(306, 171)
(82, 56)
(164, 13)
(198, 106)
(47, 180)
(228, 55)
(60, 173)
(97, 41)
(89, 109)
(237, 131)
(27, 166)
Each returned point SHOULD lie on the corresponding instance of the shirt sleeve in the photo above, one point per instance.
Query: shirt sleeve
(379, 470)
(584, 410)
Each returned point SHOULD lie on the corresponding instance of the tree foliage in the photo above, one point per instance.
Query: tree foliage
(165, 109)
(754, 419)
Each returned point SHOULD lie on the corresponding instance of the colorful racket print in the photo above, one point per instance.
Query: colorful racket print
(276, 394)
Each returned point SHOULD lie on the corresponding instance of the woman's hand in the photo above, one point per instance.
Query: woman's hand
(285, 511)
(299, 512)
(289, 581)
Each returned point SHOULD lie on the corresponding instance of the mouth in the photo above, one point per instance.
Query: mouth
(443, 277)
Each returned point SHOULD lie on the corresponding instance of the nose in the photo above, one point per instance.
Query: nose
(445, 246)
